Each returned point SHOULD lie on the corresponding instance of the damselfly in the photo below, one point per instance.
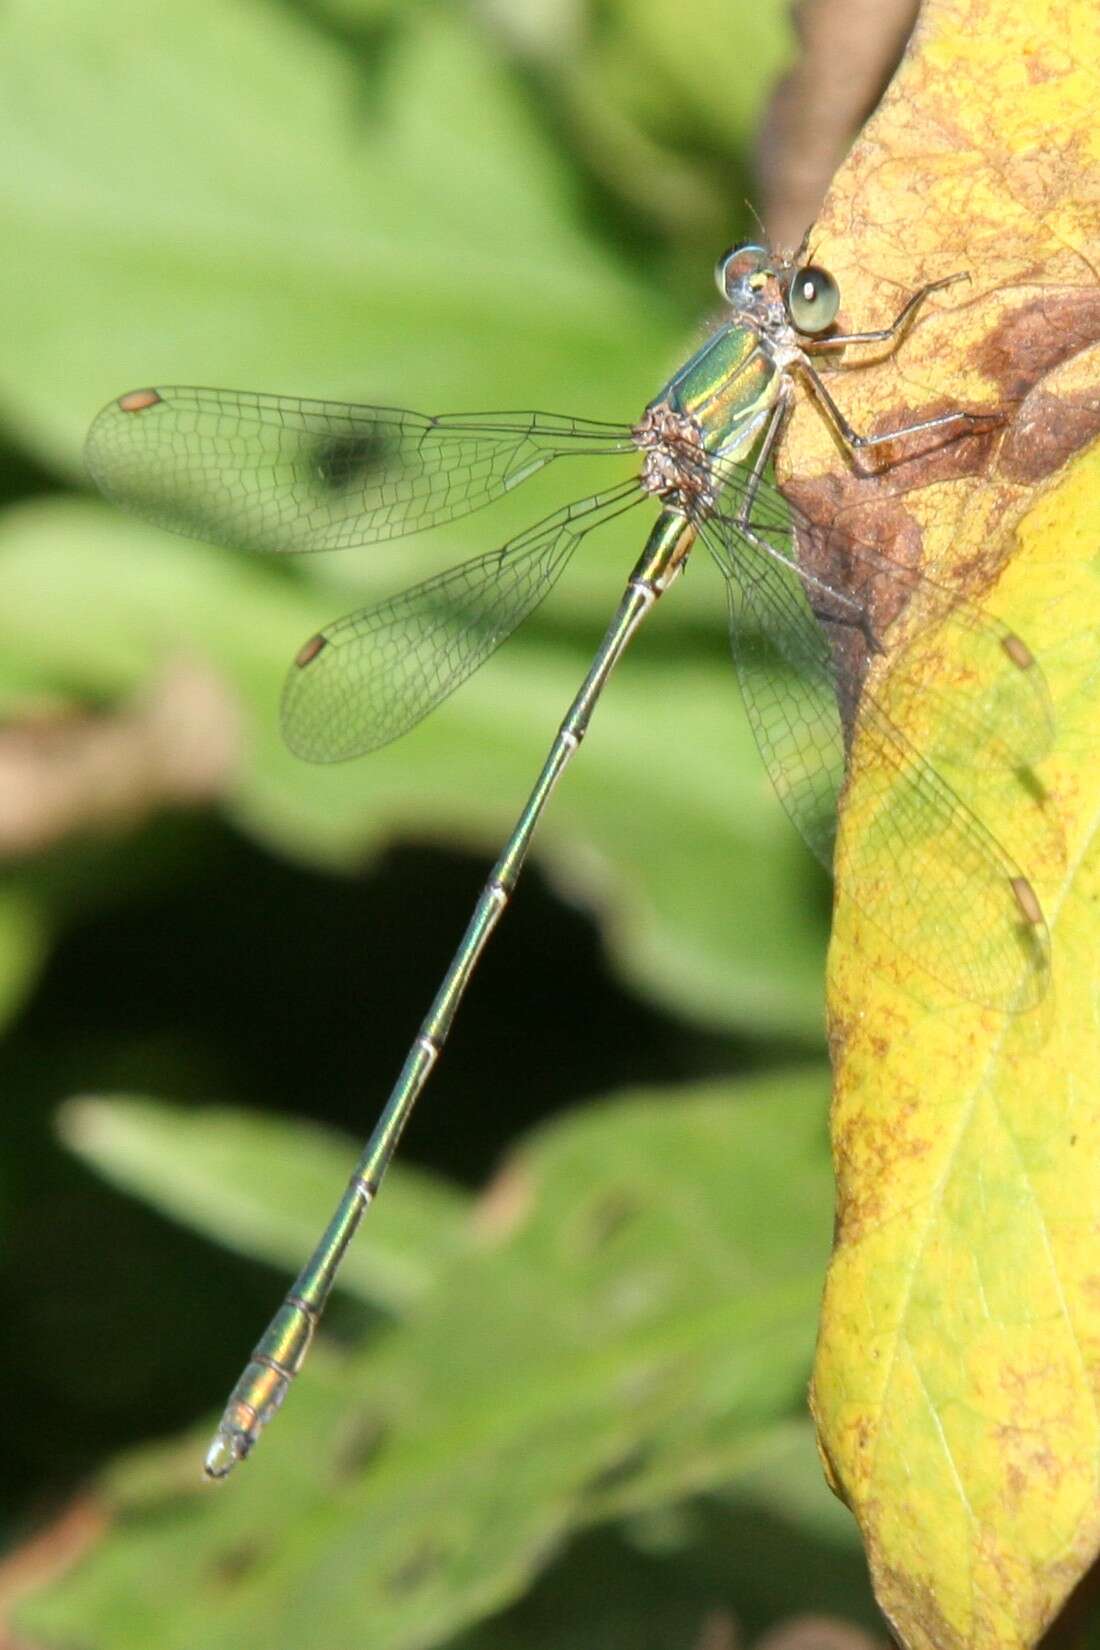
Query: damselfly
(809, 607)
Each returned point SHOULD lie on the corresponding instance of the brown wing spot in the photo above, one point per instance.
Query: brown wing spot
(138, 400)
(1027, 901)
(309, 651)
(1018, 651)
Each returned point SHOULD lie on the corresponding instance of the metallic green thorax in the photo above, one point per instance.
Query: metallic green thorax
(721, 407)
(728, 388)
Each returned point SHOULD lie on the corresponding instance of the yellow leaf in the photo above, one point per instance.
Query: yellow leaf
(958, 1370)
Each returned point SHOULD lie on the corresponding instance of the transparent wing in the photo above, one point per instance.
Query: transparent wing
(370, 677)
(274, 473)
(910, 853)
(991, 703)
(785, 670)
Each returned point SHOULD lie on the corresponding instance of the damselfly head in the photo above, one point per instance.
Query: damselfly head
(773, 289)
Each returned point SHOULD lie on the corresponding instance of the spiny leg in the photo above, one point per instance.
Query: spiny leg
(855, 442)
(282, 1348)
(898, 325)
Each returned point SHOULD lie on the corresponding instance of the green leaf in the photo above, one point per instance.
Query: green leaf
(297, 227)
(702, 73)
(663, 1577)
(634, 1318)
(266, 1187)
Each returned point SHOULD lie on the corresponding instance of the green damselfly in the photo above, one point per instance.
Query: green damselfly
(809, 609)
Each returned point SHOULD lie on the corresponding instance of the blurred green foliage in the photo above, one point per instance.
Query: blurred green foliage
(580, 1398)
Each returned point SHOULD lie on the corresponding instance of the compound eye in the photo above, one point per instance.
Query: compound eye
(736, 265)
(813, 299)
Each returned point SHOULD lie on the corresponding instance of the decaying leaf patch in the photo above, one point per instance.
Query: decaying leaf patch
(957, 1382)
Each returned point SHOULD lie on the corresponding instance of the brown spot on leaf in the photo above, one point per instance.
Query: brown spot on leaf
(948, 454)
(902, 1590)
(841, 514)
(1041, 66)
(869, 1155)
(1048, 431)
(848, 511)
(1037, 337)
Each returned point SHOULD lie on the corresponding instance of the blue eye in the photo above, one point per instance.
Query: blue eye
(813, 299)
(741, 261)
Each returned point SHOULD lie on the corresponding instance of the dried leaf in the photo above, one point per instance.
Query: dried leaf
(955, 1389)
